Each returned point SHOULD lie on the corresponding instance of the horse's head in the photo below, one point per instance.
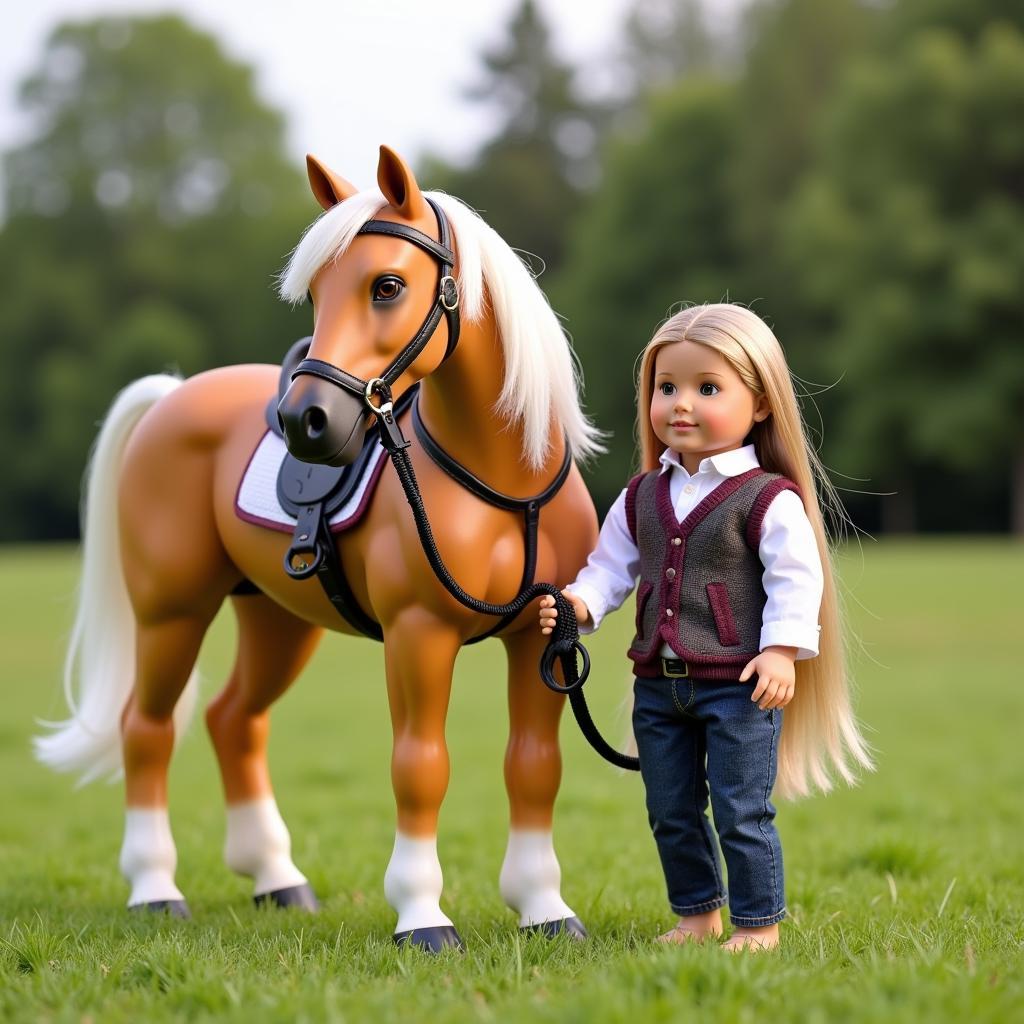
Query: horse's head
(378, 309)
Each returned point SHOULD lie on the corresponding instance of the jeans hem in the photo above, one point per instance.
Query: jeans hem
(699, 908)
(757, 922)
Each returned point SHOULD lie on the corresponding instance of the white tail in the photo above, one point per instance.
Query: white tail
(101, 652)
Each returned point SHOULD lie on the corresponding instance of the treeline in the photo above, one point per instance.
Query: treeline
(851, 170)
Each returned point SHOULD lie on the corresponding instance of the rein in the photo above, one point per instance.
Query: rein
(564, 643)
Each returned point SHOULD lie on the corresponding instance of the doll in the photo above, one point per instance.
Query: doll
(723, 531)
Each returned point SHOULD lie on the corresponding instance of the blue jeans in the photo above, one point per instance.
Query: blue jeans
(694, 735)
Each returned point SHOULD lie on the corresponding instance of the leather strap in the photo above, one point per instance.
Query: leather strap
(332, 373)
(530, 507)
(439, 250)
(473, 483)
(336, 586)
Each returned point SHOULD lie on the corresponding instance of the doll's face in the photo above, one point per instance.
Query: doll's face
(700, 405)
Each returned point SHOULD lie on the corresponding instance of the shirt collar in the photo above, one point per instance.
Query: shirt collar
(733, 463)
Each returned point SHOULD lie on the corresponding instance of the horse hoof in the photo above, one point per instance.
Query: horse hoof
(570, 926)
(300, 896)
(172, 908)
(431, 940)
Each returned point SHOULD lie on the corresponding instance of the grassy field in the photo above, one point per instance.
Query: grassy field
(906, 894)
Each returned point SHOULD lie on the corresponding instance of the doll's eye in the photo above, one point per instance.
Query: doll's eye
(387, 288)
(708, 389)
(667, 389)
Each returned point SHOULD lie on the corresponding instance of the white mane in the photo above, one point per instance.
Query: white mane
(542, 378)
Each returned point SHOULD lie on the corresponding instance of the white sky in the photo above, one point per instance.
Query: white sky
(349, 74)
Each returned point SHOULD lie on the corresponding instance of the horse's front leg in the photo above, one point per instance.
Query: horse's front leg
(530, 875)
(419, 654)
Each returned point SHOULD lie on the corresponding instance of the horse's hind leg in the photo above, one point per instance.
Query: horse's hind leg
(273, 647)
(530, 879)
(177, 574)
(166, 650)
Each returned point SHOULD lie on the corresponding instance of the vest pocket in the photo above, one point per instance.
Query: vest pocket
(643, 595)
(725, 623)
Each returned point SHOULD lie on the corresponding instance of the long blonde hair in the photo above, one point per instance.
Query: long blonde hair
(821, 734)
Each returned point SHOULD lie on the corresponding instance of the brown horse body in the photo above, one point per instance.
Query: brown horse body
(184, 549)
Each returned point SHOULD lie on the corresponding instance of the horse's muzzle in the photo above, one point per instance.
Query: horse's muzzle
(321, 422)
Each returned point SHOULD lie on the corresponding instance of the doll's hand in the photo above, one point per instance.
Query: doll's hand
(776, 677)
(549, 613)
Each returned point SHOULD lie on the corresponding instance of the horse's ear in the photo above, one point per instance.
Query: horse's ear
(399, 186)
(328, 187)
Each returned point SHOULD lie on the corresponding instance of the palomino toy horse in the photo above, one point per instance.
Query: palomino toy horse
(164, 546)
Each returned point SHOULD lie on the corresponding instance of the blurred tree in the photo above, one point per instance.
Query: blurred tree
(969, 21)
(658, 231)
(147, 218)
(796, 52)
(664, 41)
(527, 180)
(911, 235)
(145, 116)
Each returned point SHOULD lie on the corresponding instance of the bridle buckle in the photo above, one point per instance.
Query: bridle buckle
(448, 293)
(378, 386)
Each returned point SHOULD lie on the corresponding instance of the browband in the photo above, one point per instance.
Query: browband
(439, 250)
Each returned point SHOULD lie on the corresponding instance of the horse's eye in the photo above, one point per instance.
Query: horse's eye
(387, 288)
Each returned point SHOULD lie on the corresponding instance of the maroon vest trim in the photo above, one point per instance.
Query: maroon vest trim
(723, 491)
(631, 489)
(759, 510)
(718, 597)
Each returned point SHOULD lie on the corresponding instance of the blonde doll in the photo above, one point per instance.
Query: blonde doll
(723, 531)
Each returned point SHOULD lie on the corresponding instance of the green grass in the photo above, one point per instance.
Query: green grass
(906, 894)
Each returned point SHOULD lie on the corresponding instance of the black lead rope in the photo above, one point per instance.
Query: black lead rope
(564, 644)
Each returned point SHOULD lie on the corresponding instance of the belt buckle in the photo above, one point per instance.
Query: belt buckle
(675, 668)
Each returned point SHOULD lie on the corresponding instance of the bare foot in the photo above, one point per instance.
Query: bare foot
(695, 928)
(757, 940)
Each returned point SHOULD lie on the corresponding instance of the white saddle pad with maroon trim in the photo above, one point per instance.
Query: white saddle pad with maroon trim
(256, 499)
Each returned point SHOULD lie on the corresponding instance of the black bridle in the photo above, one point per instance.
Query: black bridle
(564, 644)
(446, 304)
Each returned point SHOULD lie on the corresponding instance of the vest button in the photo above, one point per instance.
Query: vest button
(668, 612)
(676, 541)
(670, 573)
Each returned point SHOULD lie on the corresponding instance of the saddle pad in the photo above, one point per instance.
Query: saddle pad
(256, 500)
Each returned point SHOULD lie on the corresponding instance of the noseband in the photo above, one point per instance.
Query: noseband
(446, 304)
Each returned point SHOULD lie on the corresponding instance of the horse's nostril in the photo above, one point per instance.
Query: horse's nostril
(314, 421)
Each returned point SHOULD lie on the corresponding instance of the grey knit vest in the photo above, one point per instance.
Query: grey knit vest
(700, 587)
